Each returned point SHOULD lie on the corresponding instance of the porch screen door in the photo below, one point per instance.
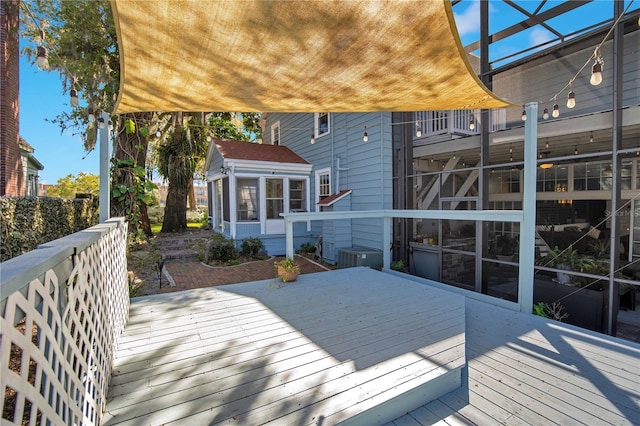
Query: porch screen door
(274, 194)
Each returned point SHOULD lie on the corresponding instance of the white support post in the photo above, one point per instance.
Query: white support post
(288, 232)
(386, 242)
(105, 193)
(528, 223)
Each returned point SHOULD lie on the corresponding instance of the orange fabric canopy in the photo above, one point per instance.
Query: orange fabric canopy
(293, 56)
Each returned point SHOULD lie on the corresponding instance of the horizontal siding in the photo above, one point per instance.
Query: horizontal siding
(367, 166)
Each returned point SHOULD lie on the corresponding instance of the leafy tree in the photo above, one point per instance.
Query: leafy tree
(70, 185)
(81, 39)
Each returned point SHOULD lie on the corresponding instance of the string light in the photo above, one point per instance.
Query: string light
(101, 123)
(73, 96)
(596, 68)
(556, 111)
(575, 151)
(545, 114)
(591, 138)
(313, 138)
(42, 58)
(418, 129)
(571, 100)
(546, 144)
(365, 137)
(110, 125)
(90, 115)
(524, 114)
(472, 124)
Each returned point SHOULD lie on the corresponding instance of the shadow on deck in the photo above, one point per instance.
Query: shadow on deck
(352, 345)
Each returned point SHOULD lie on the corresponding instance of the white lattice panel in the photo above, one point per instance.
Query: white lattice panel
(60, 333)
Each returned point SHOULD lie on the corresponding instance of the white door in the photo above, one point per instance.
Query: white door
(274, 197)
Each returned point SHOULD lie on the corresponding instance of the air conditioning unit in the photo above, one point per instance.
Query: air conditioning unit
(359, 256)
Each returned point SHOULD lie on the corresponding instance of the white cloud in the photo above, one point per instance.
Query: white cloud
(469, 20)
(539, 36)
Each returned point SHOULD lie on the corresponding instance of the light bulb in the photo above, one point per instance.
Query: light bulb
(110, 125)
(575, 151)
(313, 140)
(596, 74)
(418, 130)
(42, 60)
(73, 95)
(545, 114)
(101, 123)
(556, 111)
(591, 138)
(524, 115)
(158, 133)
(472, 124)
(365, 137)
(571, 100)
(91, 116)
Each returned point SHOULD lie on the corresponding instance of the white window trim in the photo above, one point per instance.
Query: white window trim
(325, 171)
(316, 127)
(275, 126)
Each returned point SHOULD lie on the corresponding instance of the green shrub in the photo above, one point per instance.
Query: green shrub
(307, 248)
(156, 214)
(28, 222)
(221, 250)
(252, 247)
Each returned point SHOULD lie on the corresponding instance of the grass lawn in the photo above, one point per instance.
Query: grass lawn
(157, 227)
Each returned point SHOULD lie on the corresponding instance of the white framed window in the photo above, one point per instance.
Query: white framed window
(275, 134)
(248, 199)
(321, 124)
(297, 196)
(323, 184)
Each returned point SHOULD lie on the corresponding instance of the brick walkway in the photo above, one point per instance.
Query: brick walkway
(190, 275)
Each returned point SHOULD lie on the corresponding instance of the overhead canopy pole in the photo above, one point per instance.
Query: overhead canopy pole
(105, 190)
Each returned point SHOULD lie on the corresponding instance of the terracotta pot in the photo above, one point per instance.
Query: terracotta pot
(287, 276)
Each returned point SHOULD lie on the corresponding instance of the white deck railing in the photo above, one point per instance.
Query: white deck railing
(63, 308)
(457, 122)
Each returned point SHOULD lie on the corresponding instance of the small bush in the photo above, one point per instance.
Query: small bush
(221, 250)
(156, 214)
(252, 247)
(307, 248)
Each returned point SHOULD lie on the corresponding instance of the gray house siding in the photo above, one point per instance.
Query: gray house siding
(364, 168)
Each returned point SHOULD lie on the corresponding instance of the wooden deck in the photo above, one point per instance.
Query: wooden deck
(352, 345)
(524, 369)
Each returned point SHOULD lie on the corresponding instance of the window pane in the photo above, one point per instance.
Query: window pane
(325, 185)
(322, 124)
(296, 196)
(247, 195)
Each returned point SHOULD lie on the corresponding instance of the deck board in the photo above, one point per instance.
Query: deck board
(252, 353)
(524, 369)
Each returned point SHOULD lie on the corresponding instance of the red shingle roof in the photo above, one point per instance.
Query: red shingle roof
(240, 150)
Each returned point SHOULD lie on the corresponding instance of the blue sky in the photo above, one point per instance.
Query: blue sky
(41, 96)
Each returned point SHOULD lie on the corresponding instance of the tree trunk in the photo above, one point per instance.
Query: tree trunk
(175, 211)
(191, 196)
(130, 147)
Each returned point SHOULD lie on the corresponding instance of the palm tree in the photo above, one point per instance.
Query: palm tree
(178, 157)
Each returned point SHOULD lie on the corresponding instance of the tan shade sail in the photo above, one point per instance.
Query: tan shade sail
(293, 56)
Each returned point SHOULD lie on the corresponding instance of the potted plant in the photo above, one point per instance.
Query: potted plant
(287, 269)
